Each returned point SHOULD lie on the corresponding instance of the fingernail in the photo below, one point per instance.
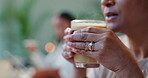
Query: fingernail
(67, 30)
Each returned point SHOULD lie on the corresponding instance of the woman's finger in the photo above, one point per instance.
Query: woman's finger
(67, 54)
(83, 45)
(97, 30)
(93, 54)
(90, 37)
(67, 51)
(66, 47)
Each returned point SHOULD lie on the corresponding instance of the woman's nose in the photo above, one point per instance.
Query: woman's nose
(108, 3)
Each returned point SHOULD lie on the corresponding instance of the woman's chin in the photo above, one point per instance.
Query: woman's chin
(114, 27)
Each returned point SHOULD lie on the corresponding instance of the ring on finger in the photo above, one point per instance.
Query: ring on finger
(91, 46)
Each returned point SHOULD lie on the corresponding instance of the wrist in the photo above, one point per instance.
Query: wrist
(130, 71)
(79, 73)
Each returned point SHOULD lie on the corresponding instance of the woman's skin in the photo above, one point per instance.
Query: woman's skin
(125, 16)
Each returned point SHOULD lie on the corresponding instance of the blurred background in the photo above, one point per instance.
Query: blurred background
(22, 20)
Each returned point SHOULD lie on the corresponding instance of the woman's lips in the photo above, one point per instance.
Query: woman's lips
(110, 16)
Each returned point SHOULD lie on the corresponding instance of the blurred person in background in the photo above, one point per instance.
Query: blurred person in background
(110, 51)
(32, 47)
(37, 60)
(60, 23)
(53, 59)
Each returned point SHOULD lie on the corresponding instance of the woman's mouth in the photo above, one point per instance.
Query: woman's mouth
(111, 16)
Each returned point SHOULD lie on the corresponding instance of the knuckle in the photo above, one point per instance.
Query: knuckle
(78, 31)
(85, 45)
(96, 38)
(84, 36)
(71, 37)
(89, 29)
(107, 38)
(93, 29)
(109, 32)
(74, 44)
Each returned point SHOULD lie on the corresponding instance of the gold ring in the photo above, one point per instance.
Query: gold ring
(91, 46)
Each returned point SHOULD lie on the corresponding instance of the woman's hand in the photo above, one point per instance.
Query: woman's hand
(108, 49)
